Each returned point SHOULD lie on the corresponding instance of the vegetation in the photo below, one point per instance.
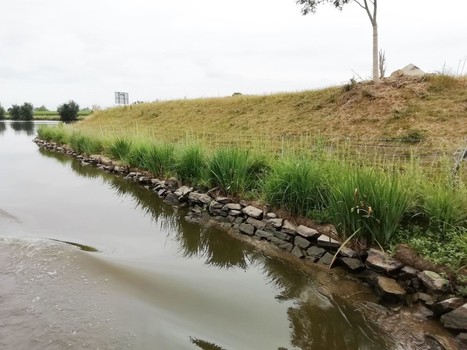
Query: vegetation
(411, 199)
(68, 112)
(2, 113)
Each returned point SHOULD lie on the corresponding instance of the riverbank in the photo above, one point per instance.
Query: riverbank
(393, 280)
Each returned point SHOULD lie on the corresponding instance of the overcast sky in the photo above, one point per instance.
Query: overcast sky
(56, 50)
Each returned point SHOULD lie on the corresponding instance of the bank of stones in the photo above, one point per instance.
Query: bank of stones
(392, 280)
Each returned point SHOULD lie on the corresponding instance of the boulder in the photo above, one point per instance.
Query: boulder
(410, 70)
(247, 229)
(434, 281)
(276, 223)
(315, 253)
(264, 234)
(283, 236)
(353, 264)
(235, 212)
(183, 191)
(307, 232)
(253, 212)
(326, 259)
(380, 261)
(327, 242)
(297, 252)
(408, 272)
(456, 319)
(256, 223)
(231, 206)
(172, 199)
(348, 252)
(200, 198)
(389, 289)
(301, 242)
(223, 200)
(281, 244)
(271, 215)
(445, 306)
(289, 228)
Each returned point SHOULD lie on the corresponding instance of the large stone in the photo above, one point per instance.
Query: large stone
(462, 339)
(447, 305)
(456, 319)
(353, 264)
(348, 252)
(183, 191)
(301, 242)
(326, 259)
(281, 244)
(215, 205)
(289, 228)
(172, 199)
(276, 223)
(200, 198)
(283, 236)
(231, 206)
(247, 229)
(434, 281)
(264, 234)
(380, 261)
(297, 252)
(256, 223)
(410, 70)
(407, 273)
(389, 289)
(253, 212)
(307, 232)
(223, 200)
(327, 242)
(271, 215)
(315, 253)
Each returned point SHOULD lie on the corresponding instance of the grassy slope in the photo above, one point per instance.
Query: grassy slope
(435, 107)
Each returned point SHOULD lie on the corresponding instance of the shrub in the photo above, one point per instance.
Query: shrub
(190, 164)
(68, 111)
(297, 186)
(235, 171)
(15, 112)
(26, 111)
(159, 159)
(120, 148)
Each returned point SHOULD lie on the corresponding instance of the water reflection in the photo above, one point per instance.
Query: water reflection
(23, 126)
(2, 127)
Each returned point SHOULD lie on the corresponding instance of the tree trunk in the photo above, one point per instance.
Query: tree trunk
(375, 51)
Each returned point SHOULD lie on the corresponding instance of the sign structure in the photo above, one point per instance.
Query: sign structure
(121, 98)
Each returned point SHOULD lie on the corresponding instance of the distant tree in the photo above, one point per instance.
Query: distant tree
(15, 112)
(27, 111)
(2, 113)
(68, 111)
(41, 109)
(370, 6)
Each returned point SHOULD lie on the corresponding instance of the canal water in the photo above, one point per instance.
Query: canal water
(91, 261)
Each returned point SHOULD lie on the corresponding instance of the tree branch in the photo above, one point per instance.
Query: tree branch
(367, 9)
(359, 4)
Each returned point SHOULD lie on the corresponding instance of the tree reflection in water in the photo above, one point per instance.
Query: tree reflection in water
(21, 126)
(2, 127)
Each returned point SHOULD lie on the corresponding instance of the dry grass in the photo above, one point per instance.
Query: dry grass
(433, 108)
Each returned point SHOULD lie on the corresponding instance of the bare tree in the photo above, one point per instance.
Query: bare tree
(382, 64)
(370, 7)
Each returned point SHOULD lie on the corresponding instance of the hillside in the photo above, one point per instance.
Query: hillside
(432, 110)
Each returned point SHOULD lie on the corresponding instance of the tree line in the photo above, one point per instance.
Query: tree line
(68, 112)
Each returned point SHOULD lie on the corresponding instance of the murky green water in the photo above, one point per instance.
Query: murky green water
(148, 279)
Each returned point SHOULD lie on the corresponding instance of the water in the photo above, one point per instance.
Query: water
(146, 278)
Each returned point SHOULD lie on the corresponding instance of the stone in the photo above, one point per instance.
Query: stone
(447, 305)
(239, 220)
(389, 289)
(426, 298)
(462, 339)
(326, 259)
(235, 212)
(200, 198)
(307, 232)
(223, 200)
(231, 206)
(247, 229)
(434, 281)
(281, 244)
(161, 192)
(348, 252)
(410, 70)
(353, 264)
(301, 242)
(297, 252)
(315, 252)
(289, 228)
(283, 236)
(381, 261)
(456, 319)
(407, 273)
(172, 199)
(183, 191)
(264, 234)
(253, 212)
(215, 205)
(276, 223)
(271, 216)
(327, 242)
(256, 223)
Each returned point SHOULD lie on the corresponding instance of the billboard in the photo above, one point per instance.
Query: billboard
(121, 98)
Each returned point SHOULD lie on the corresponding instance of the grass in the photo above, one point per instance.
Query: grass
(191, 165)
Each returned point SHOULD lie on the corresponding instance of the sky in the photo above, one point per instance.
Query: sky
(53, 51)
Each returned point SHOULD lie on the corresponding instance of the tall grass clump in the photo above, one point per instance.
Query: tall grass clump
(190, 164)
(85, 144)
(119, 148)
(298, 186)
(56, 134)
(371, 203)
(236, 171)
(159, 159)
(137, 154)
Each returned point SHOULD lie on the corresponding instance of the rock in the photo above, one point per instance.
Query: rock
(289, 228)
(434, 281)
(462, 339)
(283, 236)
(239, 220)
(256, 223)
(301, 242)
(315, 253)
(410, 70)
(215, 205)
(223, 200)
(348, 252)
(307, 232)
(231, 206)
(247, 229)
(235, 212)
(297, 252)
(422, 312)
(264, 234)
(326, 259)
(389, 289)
(162, 192)
(271, 216)
(447, 305)
(456, 319)
(253, 212)
(183, 191)
(382, 262)
(353, 264)
(200, 198)
(426, 298)
(327, 242)
(276, 223)
(407, 273)
(172, 199)
(281, 244)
